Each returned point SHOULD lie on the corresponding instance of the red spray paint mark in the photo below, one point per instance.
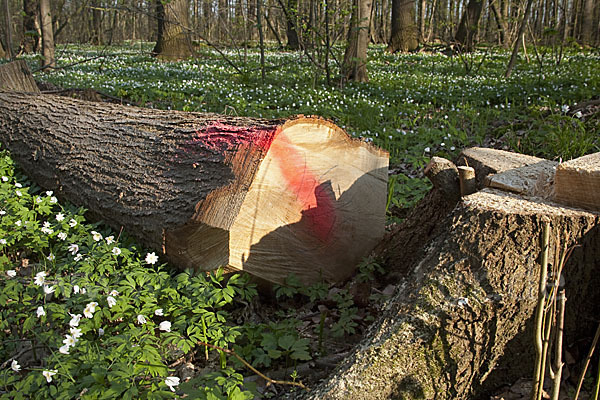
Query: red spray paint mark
(316, 198)
(221, 138)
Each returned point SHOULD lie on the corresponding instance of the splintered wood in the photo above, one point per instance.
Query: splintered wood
(577, 182)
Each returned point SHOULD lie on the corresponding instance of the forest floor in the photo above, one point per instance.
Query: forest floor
(415, 106)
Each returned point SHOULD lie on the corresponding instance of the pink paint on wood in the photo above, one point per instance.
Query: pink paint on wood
(222, 138)
(318, 203)
(316, 198)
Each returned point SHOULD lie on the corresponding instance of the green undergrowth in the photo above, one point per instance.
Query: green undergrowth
(86, 313)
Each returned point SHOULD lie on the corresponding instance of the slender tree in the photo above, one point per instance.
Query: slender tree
(515, 52)
(173, 41)
(404, 26)
(97, 36)
(354, 66)
(587, 22)
(8, 30)
(469, 25)
(31, 41)
(291, 23)
(48, 60)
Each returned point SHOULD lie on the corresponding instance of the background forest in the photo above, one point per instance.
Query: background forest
(315, 27)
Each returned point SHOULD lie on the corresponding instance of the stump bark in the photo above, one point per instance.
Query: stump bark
(459, 324)
(271, 197)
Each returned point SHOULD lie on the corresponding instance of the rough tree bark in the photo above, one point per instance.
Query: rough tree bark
(48, 60)
(271, 197)
(173, 41)
(469, 25)
(354, 67)
(404, 27)
(459, 323)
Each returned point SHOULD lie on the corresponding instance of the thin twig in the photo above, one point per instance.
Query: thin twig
(251, 368)
(587, 362)
(539, 315)
(558, 364)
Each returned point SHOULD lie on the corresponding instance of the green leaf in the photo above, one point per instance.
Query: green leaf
(286, 342)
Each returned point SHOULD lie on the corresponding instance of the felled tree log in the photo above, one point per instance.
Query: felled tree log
(467, 302)
(271, 197)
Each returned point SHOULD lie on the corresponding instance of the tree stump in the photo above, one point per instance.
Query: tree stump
(459, 323)
(16, 76)
(270, 197)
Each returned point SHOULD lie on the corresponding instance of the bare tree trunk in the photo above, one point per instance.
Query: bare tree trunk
(97, 36)
(261, 39)
(291, 25)
(30, 43)
(354, 67)
(587, 23)
(500, 23)
(432, 18)
(515, 52)
(47, 35)
(207, 16)
(469, 25)
(384, 21)
(173, 41)
(404, 27)
(9, 43)
(422, 18)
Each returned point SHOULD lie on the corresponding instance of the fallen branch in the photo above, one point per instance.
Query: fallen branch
(251, 368)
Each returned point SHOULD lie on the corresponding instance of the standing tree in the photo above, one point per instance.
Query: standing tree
(587, 22)
(520, 33)
(97, 36)
(173, 41)
(291, 22)
(8, 30)
(31, 41)
(404, 27)
(354, 67)
(48, 60)
(468, 26)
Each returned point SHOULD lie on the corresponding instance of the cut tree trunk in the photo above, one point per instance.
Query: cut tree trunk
(460, 322)
(271, 197)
